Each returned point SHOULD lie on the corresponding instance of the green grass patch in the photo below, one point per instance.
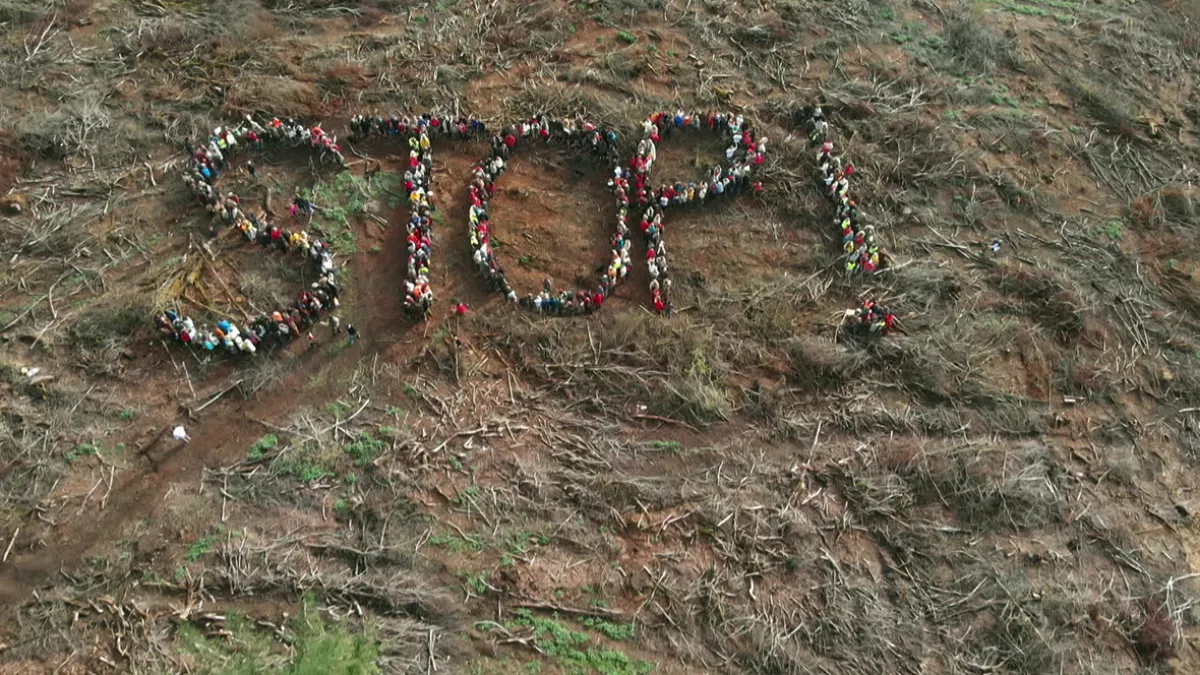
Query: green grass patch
(82, 450)
(1033, 10)
(344, 196)
(578, 652)
(261, 447)
(364, 449)
(476, 582)
(317, 646)
(610, 630)
(454, 543)
(204, 545)
(306, 464)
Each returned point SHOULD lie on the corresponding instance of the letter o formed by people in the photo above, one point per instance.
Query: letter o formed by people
(583, 136)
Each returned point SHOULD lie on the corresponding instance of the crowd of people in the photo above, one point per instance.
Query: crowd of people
(858, 238)
(870, 319)
(630, 185)
(263, 332)
(419, 132)
(601, 142)
(746, 151)
(207, 162)
(862, 251)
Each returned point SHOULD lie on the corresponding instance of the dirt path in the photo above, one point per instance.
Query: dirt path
(220, 438)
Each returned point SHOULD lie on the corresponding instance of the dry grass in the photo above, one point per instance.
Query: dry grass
(973, 43)
(820, 365)
(67, 130)
(99, 335)
(1056, 307)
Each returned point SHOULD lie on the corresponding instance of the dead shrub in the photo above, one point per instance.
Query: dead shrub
(263, 373)
(819, 365)
(1039, 357)
(370, 16)
(770, 318)
(66, 130)
(167, 35)
(975, 47)
(1076, 376)
(1122, 464)
(74, 11)
(897, 455)
(12, 160)
(926, 286)
(1017, 638)
(767, 30)
(929, 155)
(1053, 306)
(1012, 419)
(678, 370)
(1104, 104)
(347, 74)
(1173, 378)
(1013, 194)
(1154, 637)
(1188, 435)
(919, 367)
(58, 233)
(993, 490)
(100, 334)
(264, 291)
(1177, 201)
(696, 394)
(39, 133)
(1144, 212)
(878, 494)
(18, 12)
(281, 95)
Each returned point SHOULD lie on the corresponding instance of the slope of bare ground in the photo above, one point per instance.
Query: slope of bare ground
(1004, 485)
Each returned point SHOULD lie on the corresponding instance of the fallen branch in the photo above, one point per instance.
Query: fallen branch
(341, 422)
(668, 420)
(10, 545)
(218, 395)
(593, 611)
